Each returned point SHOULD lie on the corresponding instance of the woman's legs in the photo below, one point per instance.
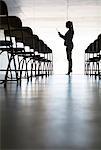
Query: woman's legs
(69, 58)
(70, 65)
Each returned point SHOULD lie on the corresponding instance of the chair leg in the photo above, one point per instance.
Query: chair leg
(6, 75)
(15, 67)
(35, 69)
(31, 71)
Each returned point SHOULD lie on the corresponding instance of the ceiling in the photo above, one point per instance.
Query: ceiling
(38, 9)
(50, 13)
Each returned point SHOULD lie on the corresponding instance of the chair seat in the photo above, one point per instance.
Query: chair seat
(49, 61)
(5, 43)
(94, 59)
(44, 60)
(28, 55)
(25, 54)
(99, 55)
(15, 50)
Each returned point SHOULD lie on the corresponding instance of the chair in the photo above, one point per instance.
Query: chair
(4, 13)
(50, 60)
(47, 59)
(12, 27)
(92, 58)
(7, 24)
(25, 35)
(3, 8)
(33, 42)
(99, 46)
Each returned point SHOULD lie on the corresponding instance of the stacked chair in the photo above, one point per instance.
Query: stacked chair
(93, 58)
(20, 46)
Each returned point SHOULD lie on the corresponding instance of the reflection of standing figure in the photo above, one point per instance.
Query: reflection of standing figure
(68, 43)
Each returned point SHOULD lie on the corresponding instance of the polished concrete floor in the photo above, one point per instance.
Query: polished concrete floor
(57, 113)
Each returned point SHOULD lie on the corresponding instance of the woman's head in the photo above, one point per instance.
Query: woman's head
(69, 24)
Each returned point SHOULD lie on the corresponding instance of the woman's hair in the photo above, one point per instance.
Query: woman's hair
(69, 24)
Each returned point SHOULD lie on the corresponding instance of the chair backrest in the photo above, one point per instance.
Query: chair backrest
(89, 48)
(45, 49)
(4, 12)
(99, 41)
(96, 46)
(7, 23)
(3, 9)
(14, 22)
(93, 47)
(36, 43)
(49, 50)
(41, 47)
(27, 36)
(23, 35)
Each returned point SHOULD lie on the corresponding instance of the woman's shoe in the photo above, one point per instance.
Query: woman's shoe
(68, 73)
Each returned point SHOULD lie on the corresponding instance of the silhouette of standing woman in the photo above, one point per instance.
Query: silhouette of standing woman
(68, 43)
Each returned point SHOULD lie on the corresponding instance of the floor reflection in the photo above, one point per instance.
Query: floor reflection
(64, 111)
